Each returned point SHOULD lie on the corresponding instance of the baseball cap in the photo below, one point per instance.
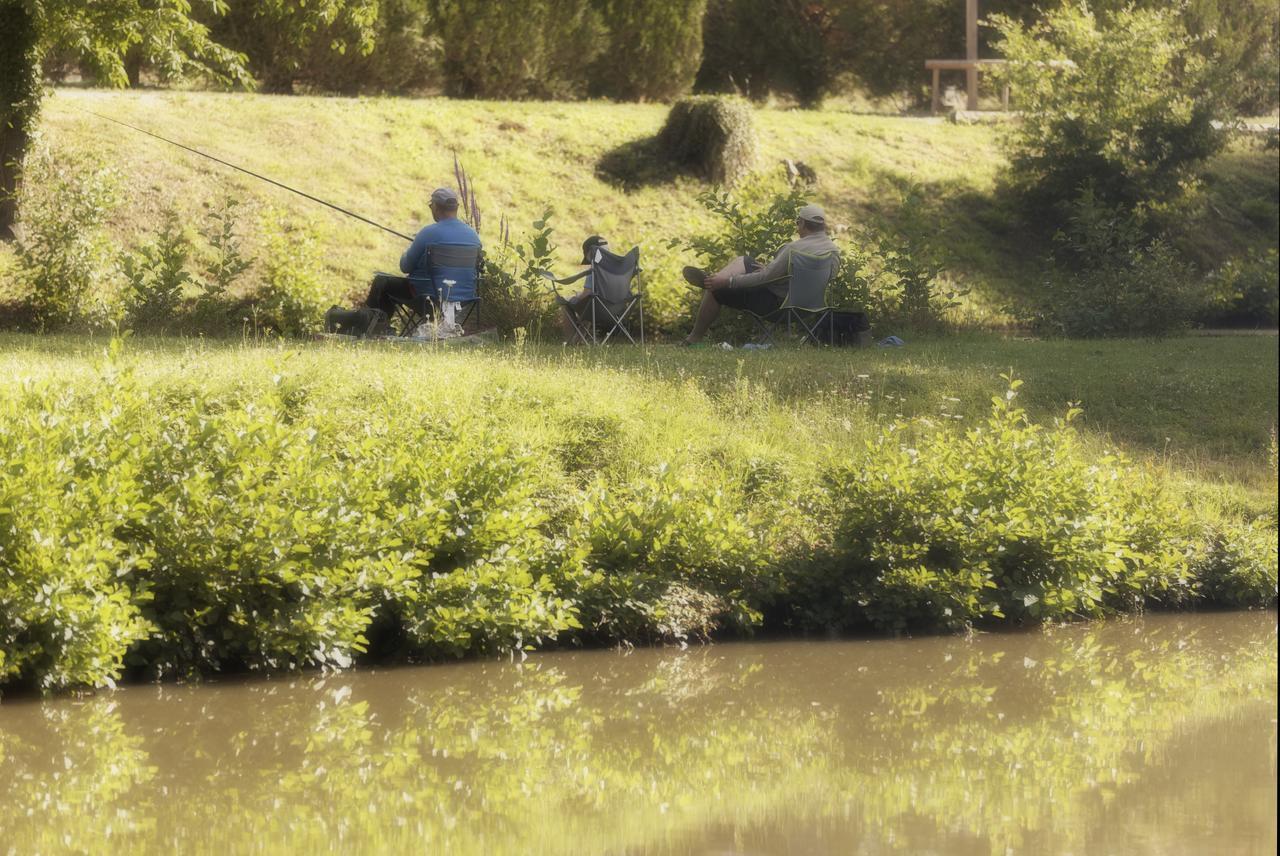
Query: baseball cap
(590, 244)
(813, 214)
(444, 197)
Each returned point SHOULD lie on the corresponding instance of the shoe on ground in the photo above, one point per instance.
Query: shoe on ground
(697, 277)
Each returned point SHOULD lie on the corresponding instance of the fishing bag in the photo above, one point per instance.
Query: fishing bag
(360, 322)
(850, 329)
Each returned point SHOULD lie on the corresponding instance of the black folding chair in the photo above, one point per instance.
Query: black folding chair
(456, 272)
(805, 307)
(610, 300)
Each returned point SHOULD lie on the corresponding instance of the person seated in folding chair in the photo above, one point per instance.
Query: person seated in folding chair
(744, 284)
(387, 293)
(602, 310)
(577, 309)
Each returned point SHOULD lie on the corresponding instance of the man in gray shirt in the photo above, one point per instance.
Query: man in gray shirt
(743, 284)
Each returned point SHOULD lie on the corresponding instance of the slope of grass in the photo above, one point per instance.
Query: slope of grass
(382, 157)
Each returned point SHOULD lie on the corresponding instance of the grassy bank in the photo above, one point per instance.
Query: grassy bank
(185, 507)
(382, 157)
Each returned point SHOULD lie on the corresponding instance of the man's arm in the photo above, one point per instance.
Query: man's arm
(778, 269)
(412, 256)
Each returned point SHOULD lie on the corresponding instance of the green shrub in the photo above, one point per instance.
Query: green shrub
(274, 521)
(516, 297)
(1131, 118)
(1108, 279)
(1006, 520)
(156, 277)
(542, 50)
(1246, 292)
(662, 540)
(654, 49)
(64, 261)
(72, 501)
(293, 298)
(714, 135)
(1236, 566)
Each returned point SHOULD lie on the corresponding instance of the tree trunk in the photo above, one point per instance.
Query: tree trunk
(19, 103)
(13, 146)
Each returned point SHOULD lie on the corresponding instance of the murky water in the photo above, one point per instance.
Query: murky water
(1152, 736)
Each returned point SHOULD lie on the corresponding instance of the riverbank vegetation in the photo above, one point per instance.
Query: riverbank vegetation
(195, 508)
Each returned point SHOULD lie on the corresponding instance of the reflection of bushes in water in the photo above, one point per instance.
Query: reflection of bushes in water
(998, 739)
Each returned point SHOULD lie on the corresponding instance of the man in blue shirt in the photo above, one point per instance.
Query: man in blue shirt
(416, 261)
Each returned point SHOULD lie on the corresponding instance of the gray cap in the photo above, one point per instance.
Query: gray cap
(813, 214)
(444, 197)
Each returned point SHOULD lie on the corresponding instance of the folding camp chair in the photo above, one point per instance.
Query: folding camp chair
(611, 298)
(805, 306)
(455, 278)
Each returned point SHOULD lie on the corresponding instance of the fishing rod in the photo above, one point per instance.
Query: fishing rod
(337, 208)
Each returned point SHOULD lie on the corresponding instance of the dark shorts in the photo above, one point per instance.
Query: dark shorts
(758, 301)
(384, 288)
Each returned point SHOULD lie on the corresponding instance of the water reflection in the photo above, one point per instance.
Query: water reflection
(1143, 736)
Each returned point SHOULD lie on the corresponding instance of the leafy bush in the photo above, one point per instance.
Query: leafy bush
(63, 257)
(156, 276)
(516, 297)
(1236, 566)
(755, 220)
(1110, 280)
(71, 503)
(543, 51)
(714, 135)
(176, 526)
(294, 297)
(654, 49)
(1007, 520)
(1130, 118)
(1246, 292)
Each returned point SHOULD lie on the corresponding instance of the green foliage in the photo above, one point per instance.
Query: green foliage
(764, 47)
(1236, 566)
(63, 257)
(543, 49)
(1129, 118)
(713, 135)
(516, 296)
(156, 275)
(654, 49)
(277, 36)
(1110, 280)
(1006, 520)
(755, 220)
(70, 497)
(892, 271)
(294, 508)
(294, 296)
(1246, 291)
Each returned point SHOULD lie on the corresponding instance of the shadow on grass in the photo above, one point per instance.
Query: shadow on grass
(637, 164)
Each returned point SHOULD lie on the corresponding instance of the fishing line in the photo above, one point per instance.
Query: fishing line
(337, 208)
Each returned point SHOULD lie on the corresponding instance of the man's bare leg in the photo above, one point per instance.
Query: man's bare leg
(709, 309)
(571, 334)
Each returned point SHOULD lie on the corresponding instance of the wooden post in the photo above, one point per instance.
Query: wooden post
(936, 72)
(1004, 97)
(971, 49)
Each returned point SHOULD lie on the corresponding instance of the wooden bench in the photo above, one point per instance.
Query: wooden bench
(971, 67)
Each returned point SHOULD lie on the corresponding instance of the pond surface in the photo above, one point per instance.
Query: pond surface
(1145, 736)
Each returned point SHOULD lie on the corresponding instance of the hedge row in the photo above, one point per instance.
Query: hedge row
(163, 528)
